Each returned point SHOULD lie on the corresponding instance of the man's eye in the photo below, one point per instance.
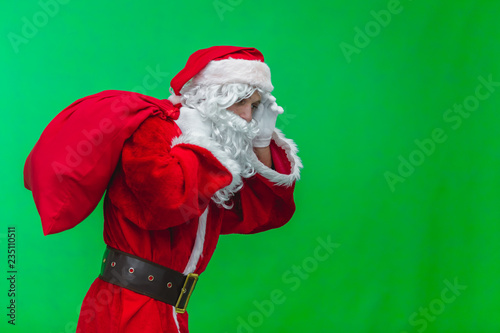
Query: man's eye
(255, 106)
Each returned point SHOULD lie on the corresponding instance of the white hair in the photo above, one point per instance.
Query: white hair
(233, 133)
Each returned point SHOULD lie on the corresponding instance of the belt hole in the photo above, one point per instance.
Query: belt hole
(169, 285)
(151, 278)
(131, 270)
(113, 264)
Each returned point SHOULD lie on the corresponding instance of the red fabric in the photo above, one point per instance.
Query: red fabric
(105, 300)
(72, 162)
(152, 210)
(198, 60)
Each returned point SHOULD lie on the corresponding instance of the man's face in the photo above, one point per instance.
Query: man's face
(245, 107)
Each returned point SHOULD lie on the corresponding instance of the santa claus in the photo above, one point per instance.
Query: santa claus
(215, 164)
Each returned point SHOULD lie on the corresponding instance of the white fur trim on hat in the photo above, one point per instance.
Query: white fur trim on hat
(291, 150)
(252, 72)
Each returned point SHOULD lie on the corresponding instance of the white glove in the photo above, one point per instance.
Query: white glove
(191, 121)
(266, 115)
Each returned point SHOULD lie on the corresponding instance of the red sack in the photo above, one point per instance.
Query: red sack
(71, 165)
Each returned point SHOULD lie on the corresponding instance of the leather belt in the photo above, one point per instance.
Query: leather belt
(147, 278)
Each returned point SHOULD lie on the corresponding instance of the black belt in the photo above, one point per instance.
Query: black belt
(147, 278)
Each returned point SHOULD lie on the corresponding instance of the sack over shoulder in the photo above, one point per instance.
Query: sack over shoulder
(71, 164)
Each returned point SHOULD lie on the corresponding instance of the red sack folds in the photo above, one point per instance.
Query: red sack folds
(71, 165)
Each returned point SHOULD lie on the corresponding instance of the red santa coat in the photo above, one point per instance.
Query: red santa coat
(158, 207)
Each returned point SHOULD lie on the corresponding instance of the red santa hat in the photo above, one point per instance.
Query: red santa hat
(224, 64)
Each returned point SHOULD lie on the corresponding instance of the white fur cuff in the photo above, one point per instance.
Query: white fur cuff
(291, 150)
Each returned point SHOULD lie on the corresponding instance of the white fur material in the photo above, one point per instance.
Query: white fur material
(191, 121)
(174, 99)
(217, 151)
(252, 72)
(291, 152)
(198, 244)
(175, 319)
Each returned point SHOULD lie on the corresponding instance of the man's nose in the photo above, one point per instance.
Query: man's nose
(247, 113)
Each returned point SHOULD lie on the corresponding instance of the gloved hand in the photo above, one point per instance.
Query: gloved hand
(266, 115)
(191, 121)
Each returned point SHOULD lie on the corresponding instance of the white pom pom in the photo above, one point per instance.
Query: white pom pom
(174, 99)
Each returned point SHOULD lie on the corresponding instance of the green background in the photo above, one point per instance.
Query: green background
(355, 117)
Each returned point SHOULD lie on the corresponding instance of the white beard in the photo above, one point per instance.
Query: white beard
(235, 135)
(229, 131)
